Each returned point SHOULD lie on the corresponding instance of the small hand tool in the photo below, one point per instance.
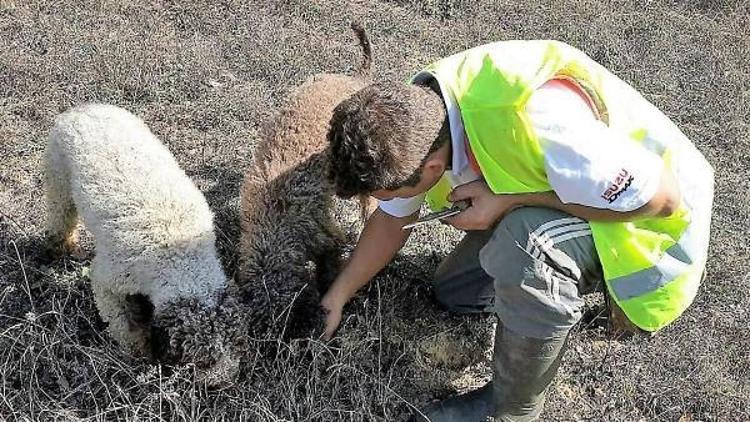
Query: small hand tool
(455, 209)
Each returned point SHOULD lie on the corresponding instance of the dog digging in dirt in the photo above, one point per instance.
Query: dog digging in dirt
(293, 229)
(156, 277)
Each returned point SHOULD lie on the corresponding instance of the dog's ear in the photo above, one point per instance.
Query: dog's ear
(159, 343)
(140, 312)
(139, 309)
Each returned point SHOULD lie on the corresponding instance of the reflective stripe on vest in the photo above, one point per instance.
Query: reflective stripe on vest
(651, 266)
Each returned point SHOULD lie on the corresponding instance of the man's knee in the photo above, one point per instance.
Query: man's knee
(443, 293)
(460, 284)
(468, 291)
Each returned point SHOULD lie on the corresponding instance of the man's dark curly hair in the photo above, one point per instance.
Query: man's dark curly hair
(381, 135)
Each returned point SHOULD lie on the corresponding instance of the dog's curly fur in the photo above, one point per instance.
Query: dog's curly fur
(291, 225)
(156, 277)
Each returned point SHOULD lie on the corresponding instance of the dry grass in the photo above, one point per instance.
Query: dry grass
(204, 74)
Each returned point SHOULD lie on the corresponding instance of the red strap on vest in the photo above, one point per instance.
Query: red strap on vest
(472, 160)
(570, 84)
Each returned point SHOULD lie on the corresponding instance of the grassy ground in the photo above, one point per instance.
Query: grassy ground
(204, 74)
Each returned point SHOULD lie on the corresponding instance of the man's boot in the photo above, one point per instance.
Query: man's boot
(475, 405)
(523, 369)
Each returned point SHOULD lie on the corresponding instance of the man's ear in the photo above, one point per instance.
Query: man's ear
(435, 164)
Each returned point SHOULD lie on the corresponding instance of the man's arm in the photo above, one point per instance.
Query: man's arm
(665, 201)
(381, 239)
(488, 207)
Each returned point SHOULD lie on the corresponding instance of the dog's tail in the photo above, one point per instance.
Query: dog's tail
(364, 41)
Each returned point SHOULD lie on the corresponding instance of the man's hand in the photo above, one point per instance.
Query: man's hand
(334, 307)
(381, 238)
(486, 207)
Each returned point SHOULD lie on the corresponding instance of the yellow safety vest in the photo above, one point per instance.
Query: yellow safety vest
(652, 266)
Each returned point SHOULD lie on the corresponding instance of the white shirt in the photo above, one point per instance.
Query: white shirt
(586, 162)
